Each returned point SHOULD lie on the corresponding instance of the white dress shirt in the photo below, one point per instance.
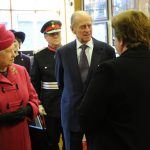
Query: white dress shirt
(88, 50)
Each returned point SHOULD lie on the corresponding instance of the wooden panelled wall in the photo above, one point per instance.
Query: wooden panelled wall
(78, 4)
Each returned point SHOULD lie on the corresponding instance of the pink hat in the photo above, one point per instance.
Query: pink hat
(6, 37)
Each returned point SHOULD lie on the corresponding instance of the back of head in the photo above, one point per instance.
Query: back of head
(133, 27)
(6, 37)
(19, 35)
(78, 14)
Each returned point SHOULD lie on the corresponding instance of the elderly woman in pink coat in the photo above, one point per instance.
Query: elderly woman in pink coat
(18, 99)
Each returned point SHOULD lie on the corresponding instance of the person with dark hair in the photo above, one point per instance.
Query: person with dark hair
(20, 59)
(18, 99)
(76, 62)
(43, 79)
(116, 107)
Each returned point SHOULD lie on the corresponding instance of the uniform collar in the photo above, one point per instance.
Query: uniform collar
(51, 48)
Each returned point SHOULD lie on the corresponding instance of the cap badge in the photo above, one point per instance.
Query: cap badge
(53, 26)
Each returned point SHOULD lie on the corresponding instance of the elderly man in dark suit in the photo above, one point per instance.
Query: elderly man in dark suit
(20, 59)
(75, 67)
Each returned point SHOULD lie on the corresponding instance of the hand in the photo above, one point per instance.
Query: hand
(12, 118)
(26, 111)
(42, 110)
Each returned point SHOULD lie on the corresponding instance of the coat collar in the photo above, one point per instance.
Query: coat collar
(139, 51)
(12, 71)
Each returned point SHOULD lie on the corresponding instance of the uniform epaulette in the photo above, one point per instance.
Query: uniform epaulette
(38, 50)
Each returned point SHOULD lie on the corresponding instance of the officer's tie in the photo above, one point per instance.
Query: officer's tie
(83, 63)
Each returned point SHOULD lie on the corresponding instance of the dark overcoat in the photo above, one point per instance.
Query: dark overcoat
(23, 60)
(116, 108)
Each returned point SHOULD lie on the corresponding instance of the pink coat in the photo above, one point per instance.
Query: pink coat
(15, 91)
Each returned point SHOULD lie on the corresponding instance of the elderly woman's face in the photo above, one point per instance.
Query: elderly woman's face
(7, 57)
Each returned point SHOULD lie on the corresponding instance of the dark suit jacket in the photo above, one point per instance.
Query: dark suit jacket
(116, 108)
(23, 60)
(69, 79)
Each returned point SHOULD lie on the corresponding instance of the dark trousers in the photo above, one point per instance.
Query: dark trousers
(76, 140)
(53, 132)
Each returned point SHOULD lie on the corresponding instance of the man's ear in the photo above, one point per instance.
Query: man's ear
(45, 36)
(73, 30)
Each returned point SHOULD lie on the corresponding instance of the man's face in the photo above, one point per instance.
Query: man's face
(53, 39)
(83, 29)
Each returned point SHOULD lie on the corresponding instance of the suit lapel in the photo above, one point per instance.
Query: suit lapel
(95, 60)
(11, 77)
(73, 61)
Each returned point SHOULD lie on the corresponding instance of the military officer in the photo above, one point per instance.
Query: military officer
(43, 79)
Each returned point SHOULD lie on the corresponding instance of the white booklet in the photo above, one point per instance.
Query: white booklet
(38, 123)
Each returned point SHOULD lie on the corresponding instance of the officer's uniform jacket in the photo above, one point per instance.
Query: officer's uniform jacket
(43, 79)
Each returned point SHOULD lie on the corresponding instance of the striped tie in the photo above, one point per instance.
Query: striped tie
(83, 63)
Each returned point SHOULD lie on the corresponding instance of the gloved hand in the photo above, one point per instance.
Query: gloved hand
(12, 118)
(25, 111)
(42, 110)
